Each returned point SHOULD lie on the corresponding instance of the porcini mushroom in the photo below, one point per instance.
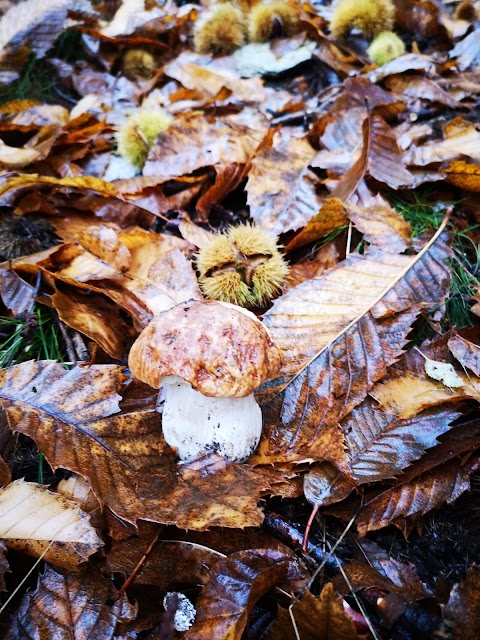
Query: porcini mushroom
(209, 357)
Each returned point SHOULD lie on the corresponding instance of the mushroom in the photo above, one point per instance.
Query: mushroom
(209, 357)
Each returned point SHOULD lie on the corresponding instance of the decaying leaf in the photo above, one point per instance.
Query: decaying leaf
(466, 352)
(42, 523)
(444, 372)
(72, 605)
(462, 611)
(124, 456)
(338, 334)
(223, 612)
(315, 618)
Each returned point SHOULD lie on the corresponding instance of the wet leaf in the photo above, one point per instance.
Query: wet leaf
(462, 611)
(357, 313)
(234, 586)
(323, 485)
(466, 352)
(42, 523)
(17, 295)
(72, 605)
(380, 157)
(381, 445)
(417, 496)
(316, 618)
(281, 190)
(124, 457)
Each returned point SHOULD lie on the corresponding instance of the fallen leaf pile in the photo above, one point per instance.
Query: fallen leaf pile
(372, 421)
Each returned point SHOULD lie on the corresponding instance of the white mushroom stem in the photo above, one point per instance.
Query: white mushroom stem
(194, 424)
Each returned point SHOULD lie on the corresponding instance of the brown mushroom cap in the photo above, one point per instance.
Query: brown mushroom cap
(219, 349)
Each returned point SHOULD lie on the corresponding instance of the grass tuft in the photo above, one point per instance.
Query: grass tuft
(35, 336)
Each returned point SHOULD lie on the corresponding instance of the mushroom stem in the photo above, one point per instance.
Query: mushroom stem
(195, 424)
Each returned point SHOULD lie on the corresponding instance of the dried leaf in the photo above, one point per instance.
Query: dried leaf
(407, 62)
(467, 51)
(444, 372)
(380, 157)
(416, 87)
(330, 217)
(467, 353)
(380, 224)
(72, 605)
(463, 174)
(4, 566)
(104, 242)
(405, 396)
(338, 334)
(235, 584)
(418, 496)
(464, 140)
(381, 444)
(42, 523)
(192, 142)
(124, 456)
(281, 190)
(316, 618)
(228, 178)
(17, 295)
(462, 611)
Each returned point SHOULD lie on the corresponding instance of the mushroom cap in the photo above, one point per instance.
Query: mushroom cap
(223, 351)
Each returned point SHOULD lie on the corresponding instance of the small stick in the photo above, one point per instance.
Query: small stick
(139, 565)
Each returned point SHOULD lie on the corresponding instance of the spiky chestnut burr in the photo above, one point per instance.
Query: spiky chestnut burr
(138, 64)
(137, 134)
(273, 19)
(21, 235)
(385, 47)
(242, 266)
(371, 17)
(222, 29)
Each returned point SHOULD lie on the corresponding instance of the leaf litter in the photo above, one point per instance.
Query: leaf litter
(365, 175)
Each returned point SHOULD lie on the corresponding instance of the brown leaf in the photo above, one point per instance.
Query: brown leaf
(381, 444)
(417, 496)
(104, 242)
(380, 157)
(124, 457)
(407, 62)
(417, 87)
(72, 605)
(467, 353)
(235, 584)
(463, 174)
(461, 138)
(4, 566)
(42, 523)
(10, 186)
(324, 485)
(380, 224)
(338, 334)
(281, 190)
(17, 295)
(330, 217)
(405, 396)
(462, 611)
(316, 618)
(228, 178)
(466, 51)
(313, 266)
(5, 473)
(192, 142)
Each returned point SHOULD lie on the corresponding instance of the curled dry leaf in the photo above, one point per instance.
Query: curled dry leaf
(466, 352)
(72, 605)
(380, 158)
(124, 456)
(330, 217)
(223, 611)
(42, 523)
(462, 611)
(338, 334)
(316, 618)
(461, 138)
(281, 190)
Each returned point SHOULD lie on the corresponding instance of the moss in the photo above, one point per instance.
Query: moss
(371, 17)
(385, 47)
